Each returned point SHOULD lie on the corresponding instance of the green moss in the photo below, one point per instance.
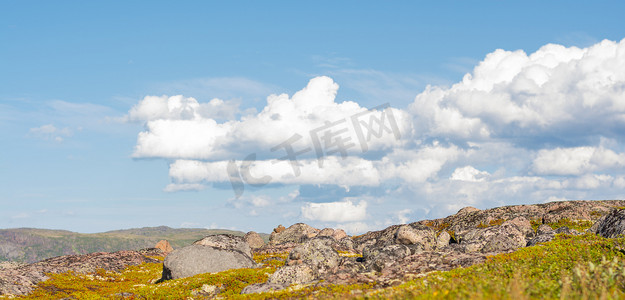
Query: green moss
(535, 224)
(579, 225)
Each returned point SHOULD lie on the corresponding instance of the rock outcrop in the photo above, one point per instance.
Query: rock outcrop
(254, 240)
(611, 225)
(164, 246)
(296, 233)
(22, 279)
(198, 259)
(226, 242)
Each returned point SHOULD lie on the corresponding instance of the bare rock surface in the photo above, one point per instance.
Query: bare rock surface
(296, 233)
(612, 225)
(254, 240)
(199, 259)
(21, 280)
(164, 246)
(226, 242)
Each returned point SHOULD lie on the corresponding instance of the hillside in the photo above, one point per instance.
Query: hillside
(31, 245)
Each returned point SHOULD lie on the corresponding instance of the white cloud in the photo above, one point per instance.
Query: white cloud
(512, 94)
(176, 127)
(343, 211)
(576, 161)
(180, 108)
(469, 173)
(175, 187)
(51, 132)
(521, 128)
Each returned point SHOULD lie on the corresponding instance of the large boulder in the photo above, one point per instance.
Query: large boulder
(227, 242)
(611, 225)
(317, 253)
(288, 275)
(296, 233)
(199, 259)
(501, 238)
(420, 236)
(377, 258)
(254, 240)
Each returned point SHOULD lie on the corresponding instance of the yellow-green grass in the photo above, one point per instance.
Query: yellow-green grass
(582, 267)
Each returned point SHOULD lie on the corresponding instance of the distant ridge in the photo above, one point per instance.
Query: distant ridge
(32, 244)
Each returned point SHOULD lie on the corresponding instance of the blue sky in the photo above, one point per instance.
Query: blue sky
(74, 77)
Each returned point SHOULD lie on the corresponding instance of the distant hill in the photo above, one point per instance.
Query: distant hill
(31, 245)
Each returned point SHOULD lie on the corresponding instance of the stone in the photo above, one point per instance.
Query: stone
(317, 253)
(523, 225)
(611, 225)
(494, 239)
(339, 234)
(326, 232)
(254, 240)
(23, 279)
(199, 259)
(289, 275)
(422, 236)
(443, 239)
(164, 246)
(279, 229)
(262, 288)
(296, 233)
(543, 229)
(541, 238)
(467, 210)
(226, 242)
(378, 258)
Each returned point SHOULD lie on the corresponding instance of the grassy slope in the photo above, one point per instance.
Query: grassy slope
(29, 245)
(571, 267)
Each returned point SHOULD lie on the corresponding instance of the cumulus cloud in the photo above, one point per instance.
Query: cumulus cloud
(519, 128)
(343, 211)
(576, 161)
(177, 127)
(512, 94)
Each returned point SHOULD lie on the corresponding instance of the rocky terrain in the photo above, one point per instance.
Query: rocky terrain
(302, 256)
(30, 245)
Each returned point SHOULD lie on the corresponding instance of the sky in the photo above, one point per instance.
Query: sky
(356, 115)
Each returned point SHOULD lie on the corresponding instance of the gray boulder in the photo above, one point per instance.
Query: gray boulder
(226, 242)
(289, 275)
(317, 253)
(501, 238)
(377, 258)
(611, 225)
(199, 259)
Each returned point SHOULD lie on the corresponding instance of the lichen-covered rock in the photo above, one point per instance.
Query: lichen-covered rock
(296, 233)
(493, 239)
(288, 275)
(226, 242)
(199, 259)
(339, 234)
(442, 240)
(380, 257)
(22, 280)
(418, 235)
(317, 253)
(262, 288)
(611, 225)
(254, 240)
(326, 232)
